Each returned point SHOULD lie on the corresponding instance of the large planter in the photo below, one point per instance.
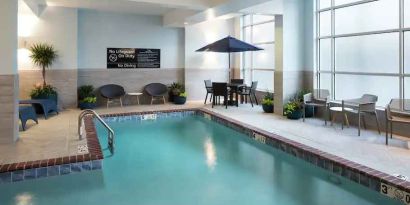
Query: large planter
(309, 111)
(267, 108)
(179, 100)
(295, 115)
(87, 105)
(171, 97)
(38, 108)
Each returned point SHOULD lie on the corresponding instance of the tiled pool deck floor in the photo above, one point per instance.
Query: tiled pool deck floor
(57, 137)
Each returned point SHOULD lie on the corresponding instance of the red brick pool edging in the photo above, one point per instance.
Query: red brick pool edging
(94, 153)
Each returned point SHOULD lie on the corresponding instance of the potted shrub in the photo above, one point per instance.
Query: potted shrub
(43, 55)
(180, 99)
(86, 97)
(267, 103)
(293, 109)
(175, 89)
(88, 103)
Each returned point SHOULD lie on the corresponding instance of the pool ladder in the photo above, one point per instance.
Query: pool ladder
(96, 115)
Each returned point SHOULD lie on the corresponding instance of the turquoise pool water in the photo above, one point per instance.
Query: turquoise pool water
(191, 160)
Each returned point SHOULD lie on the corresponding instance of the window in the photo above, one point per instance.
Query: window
(259, 30)
(365, 48)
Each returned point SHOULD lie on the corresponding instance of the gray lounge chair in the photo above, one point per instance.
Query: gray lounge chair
(156, 91)
(361, 106)
(27, 112)
(319, 98)
(112, 92)
(47, 105)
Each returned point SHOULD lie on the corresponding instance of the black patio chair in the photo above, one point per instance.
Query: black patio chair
(112, 92)
(250, 92)
(156, 90)
(220, 89)
(208, 87)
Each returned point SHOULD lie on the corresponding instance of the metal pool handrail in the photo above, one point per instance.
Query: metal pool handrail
(96, 115)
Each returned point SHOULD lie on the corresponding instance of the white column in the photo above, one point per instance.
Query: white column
(8, 72)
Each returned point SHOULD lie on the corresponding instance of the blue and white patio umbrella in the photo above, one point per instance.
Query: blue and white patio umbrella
(229, 45)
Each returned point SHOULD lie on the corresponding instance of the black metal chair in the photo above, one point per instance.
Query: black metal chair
(112, 92)
(156, 90)
(220, 89)
(250, 92)
(208, 87)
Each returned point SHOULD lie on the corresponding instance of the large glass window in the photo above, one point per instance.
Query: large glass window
(365, 47)
(259, 30)
(370, 53)
(372, 16)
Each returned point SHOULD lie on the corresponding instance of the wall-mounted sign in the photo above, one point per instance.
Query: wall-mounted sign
(133, 58)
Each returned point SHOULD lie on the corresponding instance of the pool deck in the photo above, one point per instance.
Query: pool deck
(57, 137)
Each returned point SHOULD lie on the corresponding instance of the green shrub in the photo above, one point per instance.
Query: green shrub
(177, 88)
(292, 106)
(85, 91)
(183, 94)
(89, 100)
(40, 91)
(267, 99)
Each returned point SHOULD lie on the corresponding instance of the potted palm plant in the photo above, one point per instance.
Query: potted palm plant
(86, 97)
(267, 103)
(43, 55)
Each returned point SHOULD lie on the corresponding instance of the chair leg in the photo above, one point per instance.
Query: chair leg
(377, 121)
(213, 101)
(163, 98)
(206, 97)
(387, 132)
(250, 99)
(226, 101)
(108, 102)
(211, 97)
(121, 102)
(256, 99)
(391, 130)
(152, 99)
(358, 131)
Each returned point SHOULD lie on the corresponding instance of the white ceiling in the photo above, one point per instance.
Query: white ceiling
(147, 7)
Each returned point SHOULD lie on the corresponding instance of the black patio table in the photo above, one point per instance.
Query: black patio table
(234, 89)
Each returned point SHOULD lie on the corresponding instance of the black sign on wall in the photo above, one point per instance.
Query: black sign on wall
(133, 58)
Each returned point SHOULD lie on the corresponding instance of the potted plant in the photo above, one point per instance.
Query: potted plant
(175, 89)
(267, 103)
(86, 97)
(180, 99)
(293, 109)
(43, 55)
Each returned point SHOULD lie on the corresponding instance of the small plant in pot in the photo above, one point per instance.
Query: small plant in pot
(293, 109)
(86, 97)
(267, 103)
(181, 98)
(175, 89)
(43, 55)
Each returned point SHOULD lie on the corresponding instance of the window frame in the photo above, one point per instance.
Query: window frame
(333, 71)
(251, 69)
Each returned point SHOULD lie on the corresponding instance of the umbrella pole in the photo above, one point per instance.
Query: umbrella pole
(229, 68)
